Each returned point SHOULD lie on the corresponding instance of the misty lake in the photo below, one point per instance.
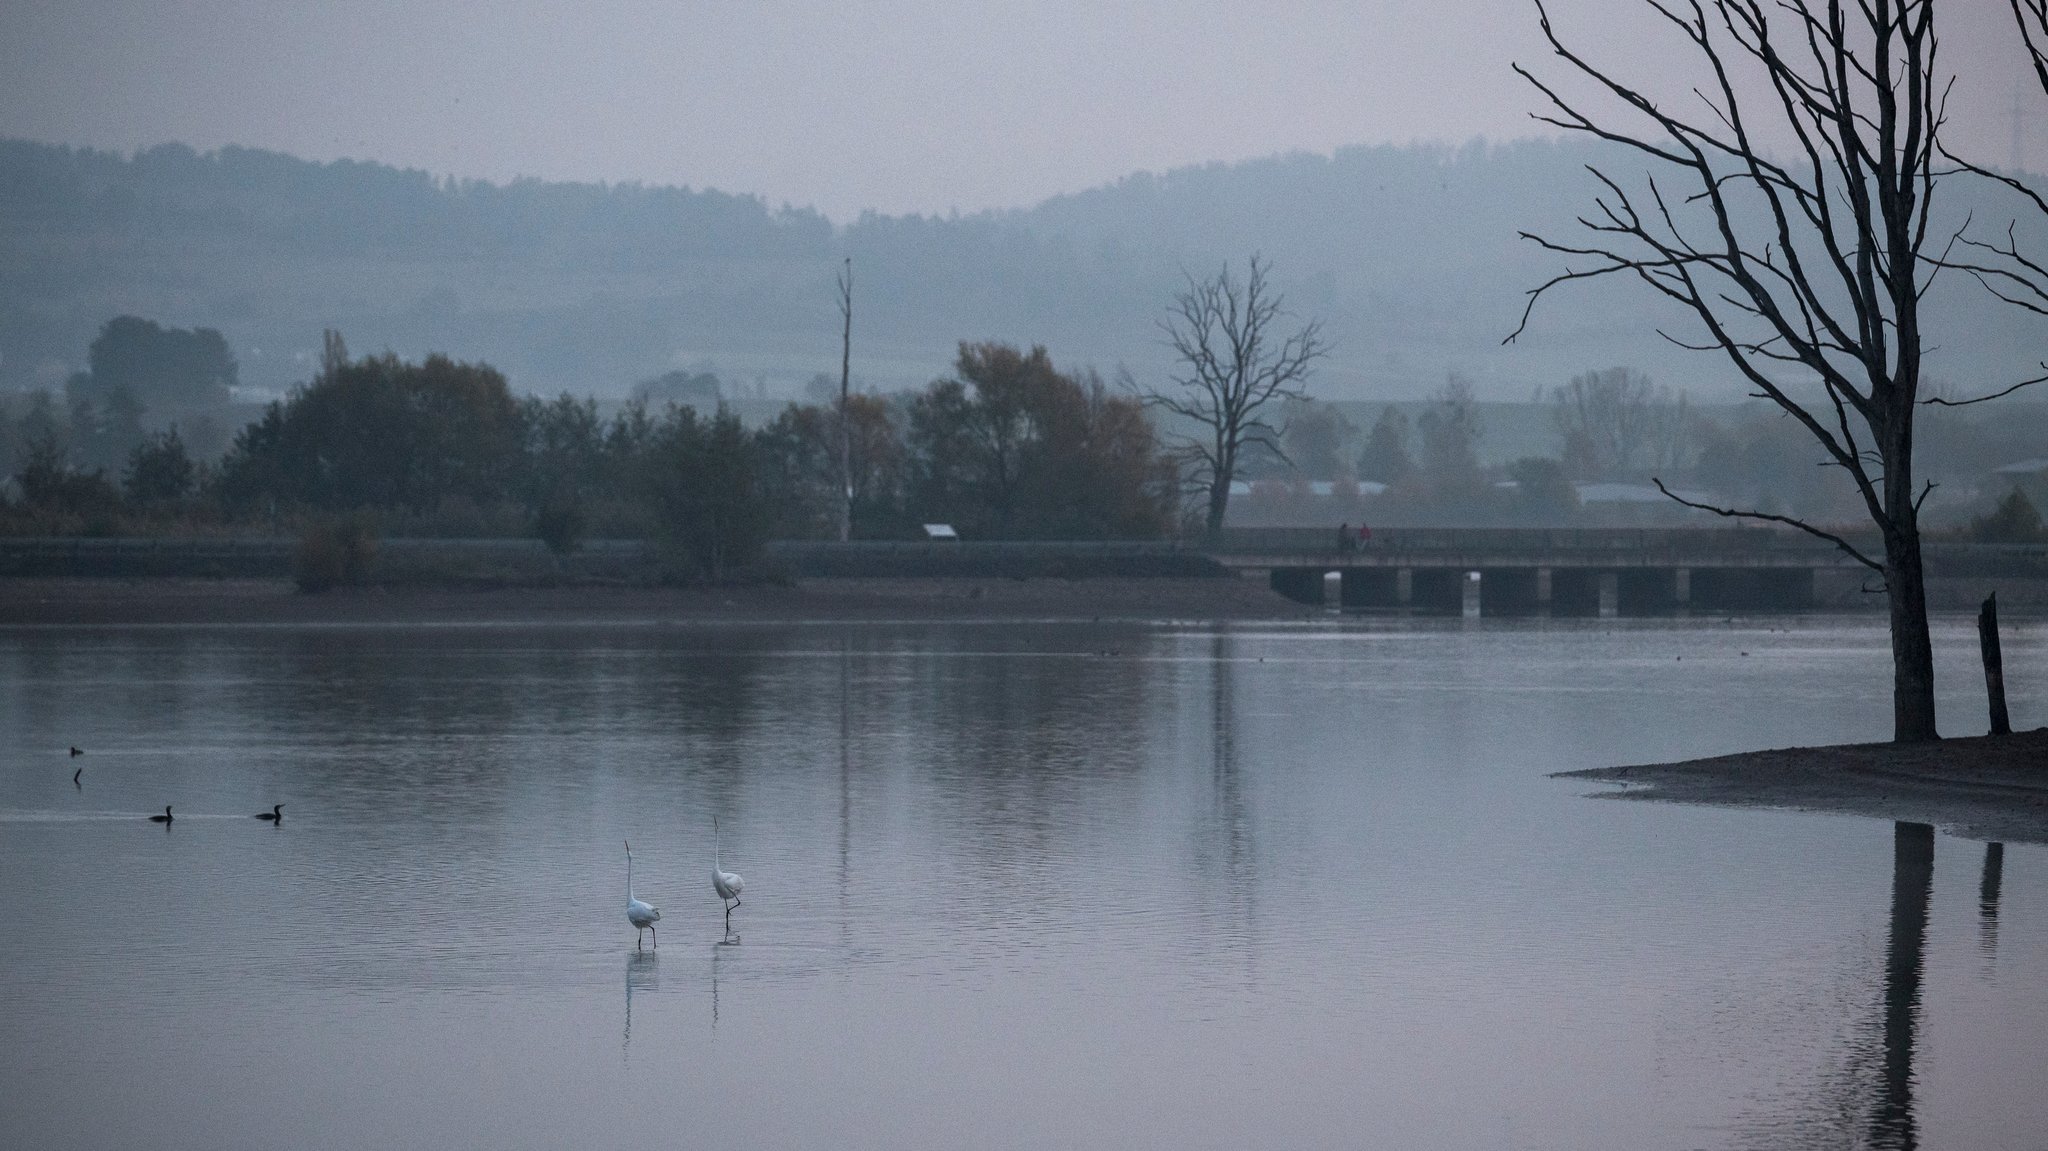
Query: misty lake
(1006, 886)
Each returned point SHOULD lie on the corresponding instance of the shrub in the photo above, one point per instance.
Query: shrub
(334, 553)
(2013, 521)
(560, 524)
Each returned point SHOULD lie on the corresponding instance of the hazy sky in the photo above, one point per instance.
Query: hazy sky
(897, 105)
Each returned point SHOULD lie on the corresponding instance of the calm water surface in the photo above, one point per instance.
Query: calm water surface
(1007, 886)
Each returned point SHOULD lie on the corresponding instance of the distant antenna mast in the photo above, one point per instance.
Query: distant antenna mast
(845, 378)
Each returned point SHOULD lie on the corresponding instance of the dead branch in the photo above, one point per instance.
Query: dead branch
(1790, 521)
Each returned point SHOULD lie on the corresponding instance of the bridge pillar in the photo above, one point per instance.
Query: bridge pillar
(1610, 595)
(1511, 591)
(1369, 588)
(1302, 585)
(1543, 589)
(1404, 586)
(1681, 587)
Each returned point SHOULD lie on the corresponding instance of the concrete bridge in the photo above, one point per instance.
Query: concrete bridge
(1513, 571)
(1492, 571)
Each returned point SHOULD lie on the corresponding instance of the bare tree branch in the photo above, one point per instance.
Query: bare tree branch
(1736, 513)
(1946, 403)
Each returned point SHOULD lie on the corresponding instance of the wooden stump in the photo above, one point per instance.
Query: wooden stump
(1994, 665)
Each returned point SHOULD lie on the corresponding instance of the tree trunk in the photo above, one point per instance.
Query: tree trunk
(1912, 650)
(1219, 502)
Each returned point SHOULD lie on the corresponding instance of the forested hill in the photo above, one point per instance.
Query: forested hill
(1408, 254)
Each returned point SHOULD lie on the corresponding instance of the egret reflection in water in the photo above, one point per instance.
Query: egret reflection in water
(732, 939)
(643, 973)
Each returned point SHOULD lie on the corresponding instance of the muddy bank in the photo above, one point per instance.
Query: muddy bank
(31, 602)
(1986, 787)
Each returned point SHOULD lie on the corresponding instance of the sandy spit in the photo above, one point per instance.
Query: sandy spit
(1984, 787)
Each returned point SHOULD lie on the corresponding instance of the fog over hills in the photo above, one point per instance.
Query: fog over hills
(1409, 255)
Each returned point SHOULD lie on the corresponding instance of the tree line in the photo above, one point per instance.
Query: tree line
(1007, 446)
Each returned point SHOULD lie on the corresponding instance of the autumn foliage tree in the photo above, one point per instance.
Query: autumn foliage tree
(1010, 447)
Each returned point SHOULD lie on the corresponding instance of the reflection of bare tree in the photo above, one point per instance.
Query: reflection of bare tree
(1987, 899)
(1866, 1100)
(1891, 1124)
(845, 790)
(1028, 745)
(1225, 847)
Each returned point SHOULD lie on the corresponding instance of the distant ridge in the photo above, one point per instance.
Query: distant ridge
(1409, 255)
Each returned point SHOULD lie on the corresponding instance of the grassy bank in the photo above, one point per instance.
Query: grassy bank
(38, 602)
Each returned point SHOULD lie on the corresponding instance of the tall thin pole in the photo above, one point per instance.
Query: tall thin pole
(845, 379)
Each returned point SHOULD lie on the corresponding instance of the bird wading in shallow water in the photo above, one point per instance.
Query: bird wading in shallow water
(164, 818)
(641, 915)
(274, 815)
(724, 882)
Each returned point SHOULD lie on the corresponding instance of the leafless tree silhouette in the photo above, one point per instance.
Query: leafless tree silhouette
(1807, 273)
(1233, 363)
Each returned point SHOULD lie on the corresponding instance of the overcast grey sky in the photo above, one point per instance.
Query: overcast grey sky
(896, 105)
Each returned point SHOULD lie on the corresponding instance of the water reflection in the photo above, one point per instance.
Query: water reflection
(732, 939)
(1225, 849)
(845, 793)
(643, 973)
(1017, 877)
(1892, 1126)
(1987, 900)
(1867, 1099)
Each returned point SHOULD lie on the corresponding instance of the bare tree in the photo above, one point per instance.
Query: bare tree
(1613, 419)
(1807, 273)
(1233, 363)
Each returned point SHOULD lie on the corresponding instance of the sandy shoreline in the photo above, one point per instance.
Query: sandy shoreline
(1984, 787)
(113, 602)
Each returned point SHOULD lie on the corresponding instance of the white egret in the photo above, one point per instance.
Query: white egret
(164, 818)
(274, 815)
(640, 915)
(724, 882)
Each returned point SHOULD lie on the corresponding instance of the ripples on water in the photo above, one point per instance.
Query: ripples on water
(1020, 885)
